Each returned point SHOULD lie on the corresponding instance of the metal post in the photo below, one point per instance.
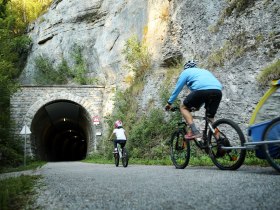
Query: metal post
(24, 131)
(95, 138)
(25, 149)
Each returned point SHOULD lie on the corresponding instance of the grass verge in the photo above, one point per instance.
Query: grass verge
(17, 192)
(195, 160)
(29, 166)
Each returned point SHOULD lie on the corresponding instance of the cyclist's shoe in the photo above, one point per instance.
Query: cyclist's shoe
(226, 142)
(222, 142)
(220, 152)
(115, 151)
(191, 136)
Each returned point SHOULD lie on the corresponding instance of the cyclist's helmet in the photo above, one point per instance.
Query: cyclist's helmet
(190, 64)
(118, 123)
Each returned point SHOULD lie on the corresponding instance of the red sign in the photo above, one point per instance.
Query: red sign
(96, 120)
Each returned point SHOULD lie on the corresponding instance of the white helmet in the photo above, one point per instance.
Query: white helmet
(118, 123)
(190, 64)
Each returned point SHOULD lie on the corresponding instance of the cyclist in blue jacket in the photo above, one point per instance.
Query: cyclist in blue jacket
(205, 89)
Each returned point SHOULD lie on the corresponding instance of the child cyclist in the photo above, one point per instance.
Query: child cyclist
(120, 135)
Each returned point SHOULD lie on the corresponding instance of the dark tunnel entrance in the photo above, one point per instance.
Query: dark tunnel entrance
(61, 132)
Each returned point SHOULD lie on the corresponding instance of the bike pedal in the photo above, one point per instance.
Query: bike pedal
(233, 158)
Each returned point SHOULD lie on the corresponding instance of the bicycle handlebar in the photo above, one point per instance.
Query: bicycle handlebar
(175, 108)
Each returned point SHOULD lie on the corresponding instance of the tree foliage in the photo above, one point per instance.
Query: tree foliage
(14, 18)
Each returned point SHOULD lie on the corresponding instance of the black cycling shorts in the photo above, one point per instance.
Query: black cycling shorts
(211, 99)
(121, 142)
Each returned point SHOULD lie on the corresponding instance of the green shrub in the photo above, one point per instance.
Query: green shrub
(272, 72)
(234, 5)
(148, 136)
(137, 57)
(238, 5)
(48, 74)
(80, 70)
(10, 156)
(235, 47)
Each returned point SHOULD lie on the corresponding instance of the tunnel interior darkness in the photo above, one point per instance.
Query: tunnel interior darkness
(61, 131)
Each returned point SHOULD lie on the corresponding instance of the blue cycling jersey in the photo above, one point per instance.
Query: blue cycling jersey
(195, 79)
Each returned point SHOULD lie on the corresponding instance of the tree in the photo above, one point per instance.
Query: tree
(14, 18)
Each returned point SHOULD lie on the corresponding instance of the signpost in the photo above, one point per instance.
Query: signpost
(96, 121)
(25, 131)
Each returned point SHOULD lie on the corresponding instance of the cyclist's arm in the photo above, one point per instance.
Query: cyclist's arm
(178, 88)
(110, 138)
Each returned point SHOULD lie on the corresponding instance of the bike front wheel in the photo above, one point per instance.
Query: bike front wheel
(179, 150)
(226, 145)
(272, 150)
(124, 157)
(117, 159)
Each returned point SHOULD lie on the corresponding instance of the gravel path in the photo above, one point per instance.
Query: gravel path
(77, 185)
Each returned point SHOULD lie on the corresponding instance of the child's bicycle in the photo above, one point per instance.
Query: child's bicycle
(121, 154)
(222, 140)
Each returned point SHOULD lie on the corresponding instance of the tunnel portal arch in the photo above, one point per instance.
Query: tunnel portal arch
(60, 119)
(62, 130)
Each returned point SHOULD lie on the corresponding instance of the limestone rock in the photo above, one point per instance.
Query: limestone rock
(246, 40)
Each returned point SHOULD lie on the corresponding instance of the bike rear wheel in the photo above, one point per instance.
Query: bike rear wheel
(117, 159)
(272, 151)
(179, 150)
(220, 151)
(124, 157)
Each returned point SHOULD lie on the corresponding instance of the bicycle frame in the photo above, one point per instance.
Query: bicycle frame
(207, 125)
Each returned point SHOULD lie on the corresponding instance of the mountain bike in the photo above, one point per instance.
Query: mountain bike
(222, 140)
(121, 154)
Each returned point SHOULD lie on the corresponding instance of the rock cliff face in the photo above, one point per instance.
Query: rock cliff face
(241, 40)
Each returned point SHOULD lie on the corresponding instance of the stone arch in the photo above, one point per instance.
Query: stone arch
(53, 98)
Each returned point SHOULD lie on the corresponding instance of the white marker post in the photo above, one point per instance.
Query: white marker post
(96, 121)
(25, 130)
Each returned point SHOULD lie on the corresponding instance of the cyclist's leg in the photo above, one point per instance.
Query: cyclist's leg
(116, 141)
(122, 143)
(212, 102)
(193, 101)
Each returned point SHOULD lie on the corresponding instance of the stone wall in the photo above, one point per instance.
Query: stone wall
(26, 102)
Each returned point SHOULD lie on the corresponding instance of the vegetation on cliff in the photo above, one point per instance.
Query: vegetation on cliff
(48, 74)
(271, 72)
